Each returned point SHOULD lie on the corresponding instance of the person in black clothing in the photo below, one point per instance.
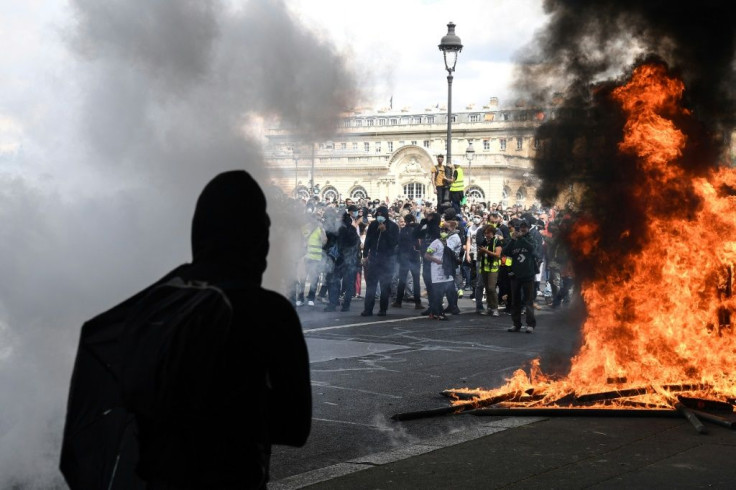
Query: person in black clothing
(522, 250)
(261, 392)
(331, 221)
(342, 279)
(427, 231)
(379, 260)
(409, 262)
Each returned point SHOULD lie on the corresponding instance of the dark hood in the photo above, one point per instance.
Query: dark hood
(382, 211)
(230, 225)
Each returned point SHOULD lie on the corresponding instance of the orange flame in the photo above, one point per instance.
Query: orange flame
(662, 318)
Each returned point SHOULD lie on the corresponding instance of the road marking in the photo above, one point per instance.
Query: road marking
(322, 329)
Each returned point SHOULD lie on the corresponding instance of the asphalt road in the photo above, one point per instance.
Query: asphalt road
(367, 369)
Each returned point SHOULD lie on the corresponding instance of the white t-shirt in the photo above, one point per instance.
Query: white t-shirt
(472, 230)
(435, 249)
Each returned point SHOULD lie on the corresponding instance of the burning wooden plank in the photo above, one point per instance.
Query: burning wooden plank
(573, 412)
(610, 395)
(455, 408)
(705, 404)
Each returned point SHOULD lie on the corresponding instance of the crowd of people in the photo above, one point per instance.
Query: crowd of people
(508, 260)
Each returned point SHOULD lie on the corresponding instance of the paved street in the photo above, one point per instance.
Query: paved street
(366, 369)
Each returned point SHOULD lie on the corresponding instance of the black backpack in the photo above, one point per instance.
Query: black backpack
(169, 342)
(449, 260)
(145, 358)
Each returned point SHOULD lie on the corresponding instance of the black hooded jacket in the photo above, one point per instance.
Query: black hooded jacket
(262, 394)
(381, 246)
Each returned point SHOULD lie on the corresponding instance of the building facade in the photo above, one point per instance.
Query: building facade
(388, 154)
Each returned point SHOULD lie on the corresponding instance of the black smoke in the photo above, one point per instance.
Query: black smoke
(587, 49)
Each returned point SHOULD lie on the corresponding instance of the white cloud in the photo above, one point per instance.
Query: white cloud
(396, 44)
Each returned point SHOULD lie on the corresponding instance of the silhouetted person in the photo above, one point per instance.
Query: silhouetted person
(409, 262)
(259, 393)
(379, 260)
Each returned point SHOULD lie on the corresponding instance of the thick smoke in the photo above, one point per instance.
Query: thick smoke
(146, 102)
(586, 50)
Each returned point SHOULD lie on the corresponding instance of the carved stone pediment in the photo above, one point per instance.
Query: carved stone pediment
(411, 167)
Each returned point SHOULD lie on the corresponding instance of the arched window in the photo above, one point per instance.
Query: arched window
(505, 196)
(521, 195)
(358, 193)
(302, 192)
(414, 190)
(475, 194)
(330, 194)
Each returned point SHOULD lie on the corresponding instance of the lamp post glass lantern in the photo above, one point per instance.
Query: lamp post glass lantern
(450, 46)
(295, 156)
(469, 155)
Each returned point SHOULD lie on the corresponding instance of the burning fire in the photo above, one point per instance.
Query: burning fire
(659, 324)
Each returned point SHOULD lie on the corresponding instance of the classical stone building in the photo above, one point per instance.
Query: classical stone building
(387, 154)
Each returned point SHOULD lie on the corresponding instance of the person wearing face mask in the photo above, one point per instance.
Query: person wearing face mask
(347, 262)
(409, 263)
(471, 253)
(379, 260)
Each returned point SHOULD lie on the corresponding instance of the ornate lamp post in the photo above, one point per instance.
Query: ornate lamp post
(450, 46)
(470, 154)
(295, 156)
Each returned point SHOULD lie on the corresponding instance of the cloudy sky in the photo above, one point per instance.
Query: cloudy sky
(113, 116)
(396, 43)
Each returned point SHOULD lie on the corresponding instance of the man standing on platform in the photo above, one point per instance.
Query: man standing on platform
(440, 181)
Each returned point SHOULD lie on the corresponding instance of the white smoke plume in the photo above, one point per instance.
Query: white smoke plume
(140, 104)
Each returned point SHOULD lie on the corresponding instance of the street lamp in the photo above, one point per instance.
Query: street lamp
(295, 156)
(470, 153)
(311, 178)
(450, 46)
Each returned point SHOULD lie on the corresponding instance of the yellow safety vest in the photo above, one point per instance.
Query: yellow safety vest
(491, 264)
(314, 244)
(458, 185)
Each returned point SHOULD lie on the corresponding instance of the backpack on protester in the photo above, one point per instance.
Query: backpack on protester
(146, 357)
(450, 261)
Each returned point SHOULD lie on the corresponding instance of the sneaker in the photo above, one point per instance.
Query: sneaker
(456, 311)
(299, 303)
(366, 313)
(442, 317)
(514, 329)
(310, 303)
(381, 313)
(529, 329)
(396, 304)
(480, 311)
(418, 306)
(495, 313)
